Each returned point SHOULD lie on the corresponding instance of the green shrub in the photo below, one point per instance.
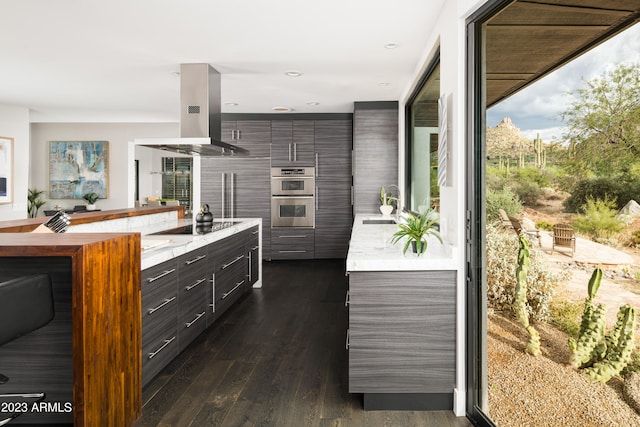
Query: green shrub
(599, 219)
(544, 225)
(567, 316)
(634, 239)
(495, 179)
(530, 174)
(502, 252)
(620, 188)
(502, 199)
(528, 192)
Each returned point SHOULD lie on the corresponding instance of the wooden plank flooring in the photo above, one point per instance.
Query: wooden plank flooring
(277, 358)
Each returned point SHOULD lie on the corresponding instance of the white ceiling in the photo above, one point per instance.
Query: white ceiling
(115, 60)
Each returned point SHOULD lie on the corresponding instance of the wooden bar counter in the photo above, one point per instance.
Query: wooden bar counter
(96, 279)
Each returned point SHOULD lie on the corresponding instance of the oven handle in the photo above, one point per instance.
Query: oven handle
(292, 197)
(293, 178)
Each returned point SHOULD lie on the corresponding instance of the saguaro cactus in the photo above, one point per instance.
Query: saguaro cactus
(538, 148)
(533, 345)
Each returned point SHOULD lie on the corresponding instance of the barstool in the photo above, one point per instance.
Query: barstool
(26, 304)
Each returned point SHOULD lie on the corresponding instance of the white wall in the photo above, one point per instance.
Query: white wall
(118, 135)
(449, 36)
(14, 123)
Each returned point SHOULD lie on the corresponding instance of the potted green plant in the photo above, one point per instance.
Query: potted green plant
(91, 199)
(416, 229)
(386, 202)
(34, 202)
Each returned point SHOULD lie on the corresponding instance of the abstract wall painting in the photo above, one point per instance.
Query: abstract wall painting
(6, 170)
(77, 168)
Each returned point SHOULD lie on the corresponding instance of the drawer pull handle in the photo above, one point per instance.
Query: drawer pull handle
(347, 300)
(254, 248)
(255, 232)
(348, 337)
(198, 316)
(301, 236)
(196, 259)
(160, 276)
(166, 343)
(292, 252)
(232, 262)
(232, 290)
(166, 301)
(188, 288)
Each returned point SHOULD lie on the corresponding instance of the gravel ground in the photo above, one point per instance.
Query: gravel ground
(545, 391)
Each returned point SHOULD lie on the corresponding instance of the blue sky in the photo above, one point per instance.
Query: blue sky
(538, 107)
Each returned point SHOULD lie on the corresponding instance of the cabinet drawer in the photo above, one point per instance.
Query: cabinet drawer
(190, 325)
(194, 263)
(156, 354)
(192, 294)
(228, 252)
(292, 243)
(228, 279)
(159, 277)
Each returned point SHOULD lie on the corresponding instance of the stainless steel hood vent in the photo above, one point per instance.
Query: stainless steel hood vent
(200, 116)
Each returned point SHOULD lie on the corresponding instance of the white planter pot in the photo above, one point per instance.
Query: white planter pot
(386, 210)
(91, 207)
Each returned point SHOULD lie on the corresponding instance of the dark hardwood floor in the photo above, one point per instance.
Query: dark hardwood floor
(277, 358)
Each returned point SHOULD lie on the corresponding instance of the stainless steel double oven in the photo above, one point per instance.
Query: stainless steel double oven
(293, 197)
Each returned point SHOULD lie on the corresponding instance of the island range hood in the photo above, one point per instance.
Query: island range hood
(200, 116)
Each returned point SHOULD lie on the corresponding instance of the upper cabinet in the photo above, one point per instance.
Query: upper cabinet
(292, 143)
(375, 153)
(253, 135)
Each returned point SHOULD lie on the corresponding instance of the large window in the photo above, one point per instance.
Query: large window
(422, 144)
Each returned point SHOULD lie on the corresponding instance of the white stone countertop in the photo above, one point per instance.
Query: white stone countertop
(163, 247)
(370, 249)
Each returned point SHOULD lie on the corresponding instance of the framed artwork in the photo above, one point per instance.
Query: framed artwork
(6, 169)
(77, 168)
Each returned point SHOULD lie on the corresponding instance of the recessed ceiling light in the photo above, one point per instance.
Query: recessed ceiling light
(391, 45)
(313, 103)
(281, 109)
(384, 84)
(293, 73)
(231, 104)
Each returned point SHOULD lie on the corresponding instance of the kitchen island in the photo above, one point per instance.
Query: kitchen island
(106, 290)
(402, 320)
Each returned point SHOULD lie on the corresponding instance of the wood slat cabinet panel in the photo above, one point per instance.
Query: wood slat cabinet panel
(159, 318)
(375, 153)
(252, 248)
(292, 143)
(253, 135)
(195, 272)
(252, 198)
(334, 218)
(402, 332)
(231, 271)
(292, 243)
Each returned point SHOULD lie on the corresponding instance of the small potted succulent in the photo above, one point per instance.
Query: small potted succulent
(91, 199)
(386, 202)
(416, 228)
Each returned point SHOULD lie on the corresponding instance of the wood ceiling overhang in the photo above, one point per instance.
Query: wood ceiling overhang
(529, 39)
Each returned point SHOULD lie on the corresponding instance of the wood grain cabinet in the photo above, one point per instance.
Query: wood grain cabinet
(292, 143)
(231, 271)
(292, 243)
(401, 337)
(159, 317)
(375, 153)
(250, 193)
(194, 276)
(253, 135)
(333, 143)
(252, 248)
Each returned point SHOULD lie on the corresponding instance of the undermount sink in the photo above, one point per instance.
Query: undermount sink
(379, 221)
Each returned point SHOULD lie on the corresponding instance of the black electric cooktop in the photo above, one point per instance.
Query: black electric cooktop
(199, 230)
